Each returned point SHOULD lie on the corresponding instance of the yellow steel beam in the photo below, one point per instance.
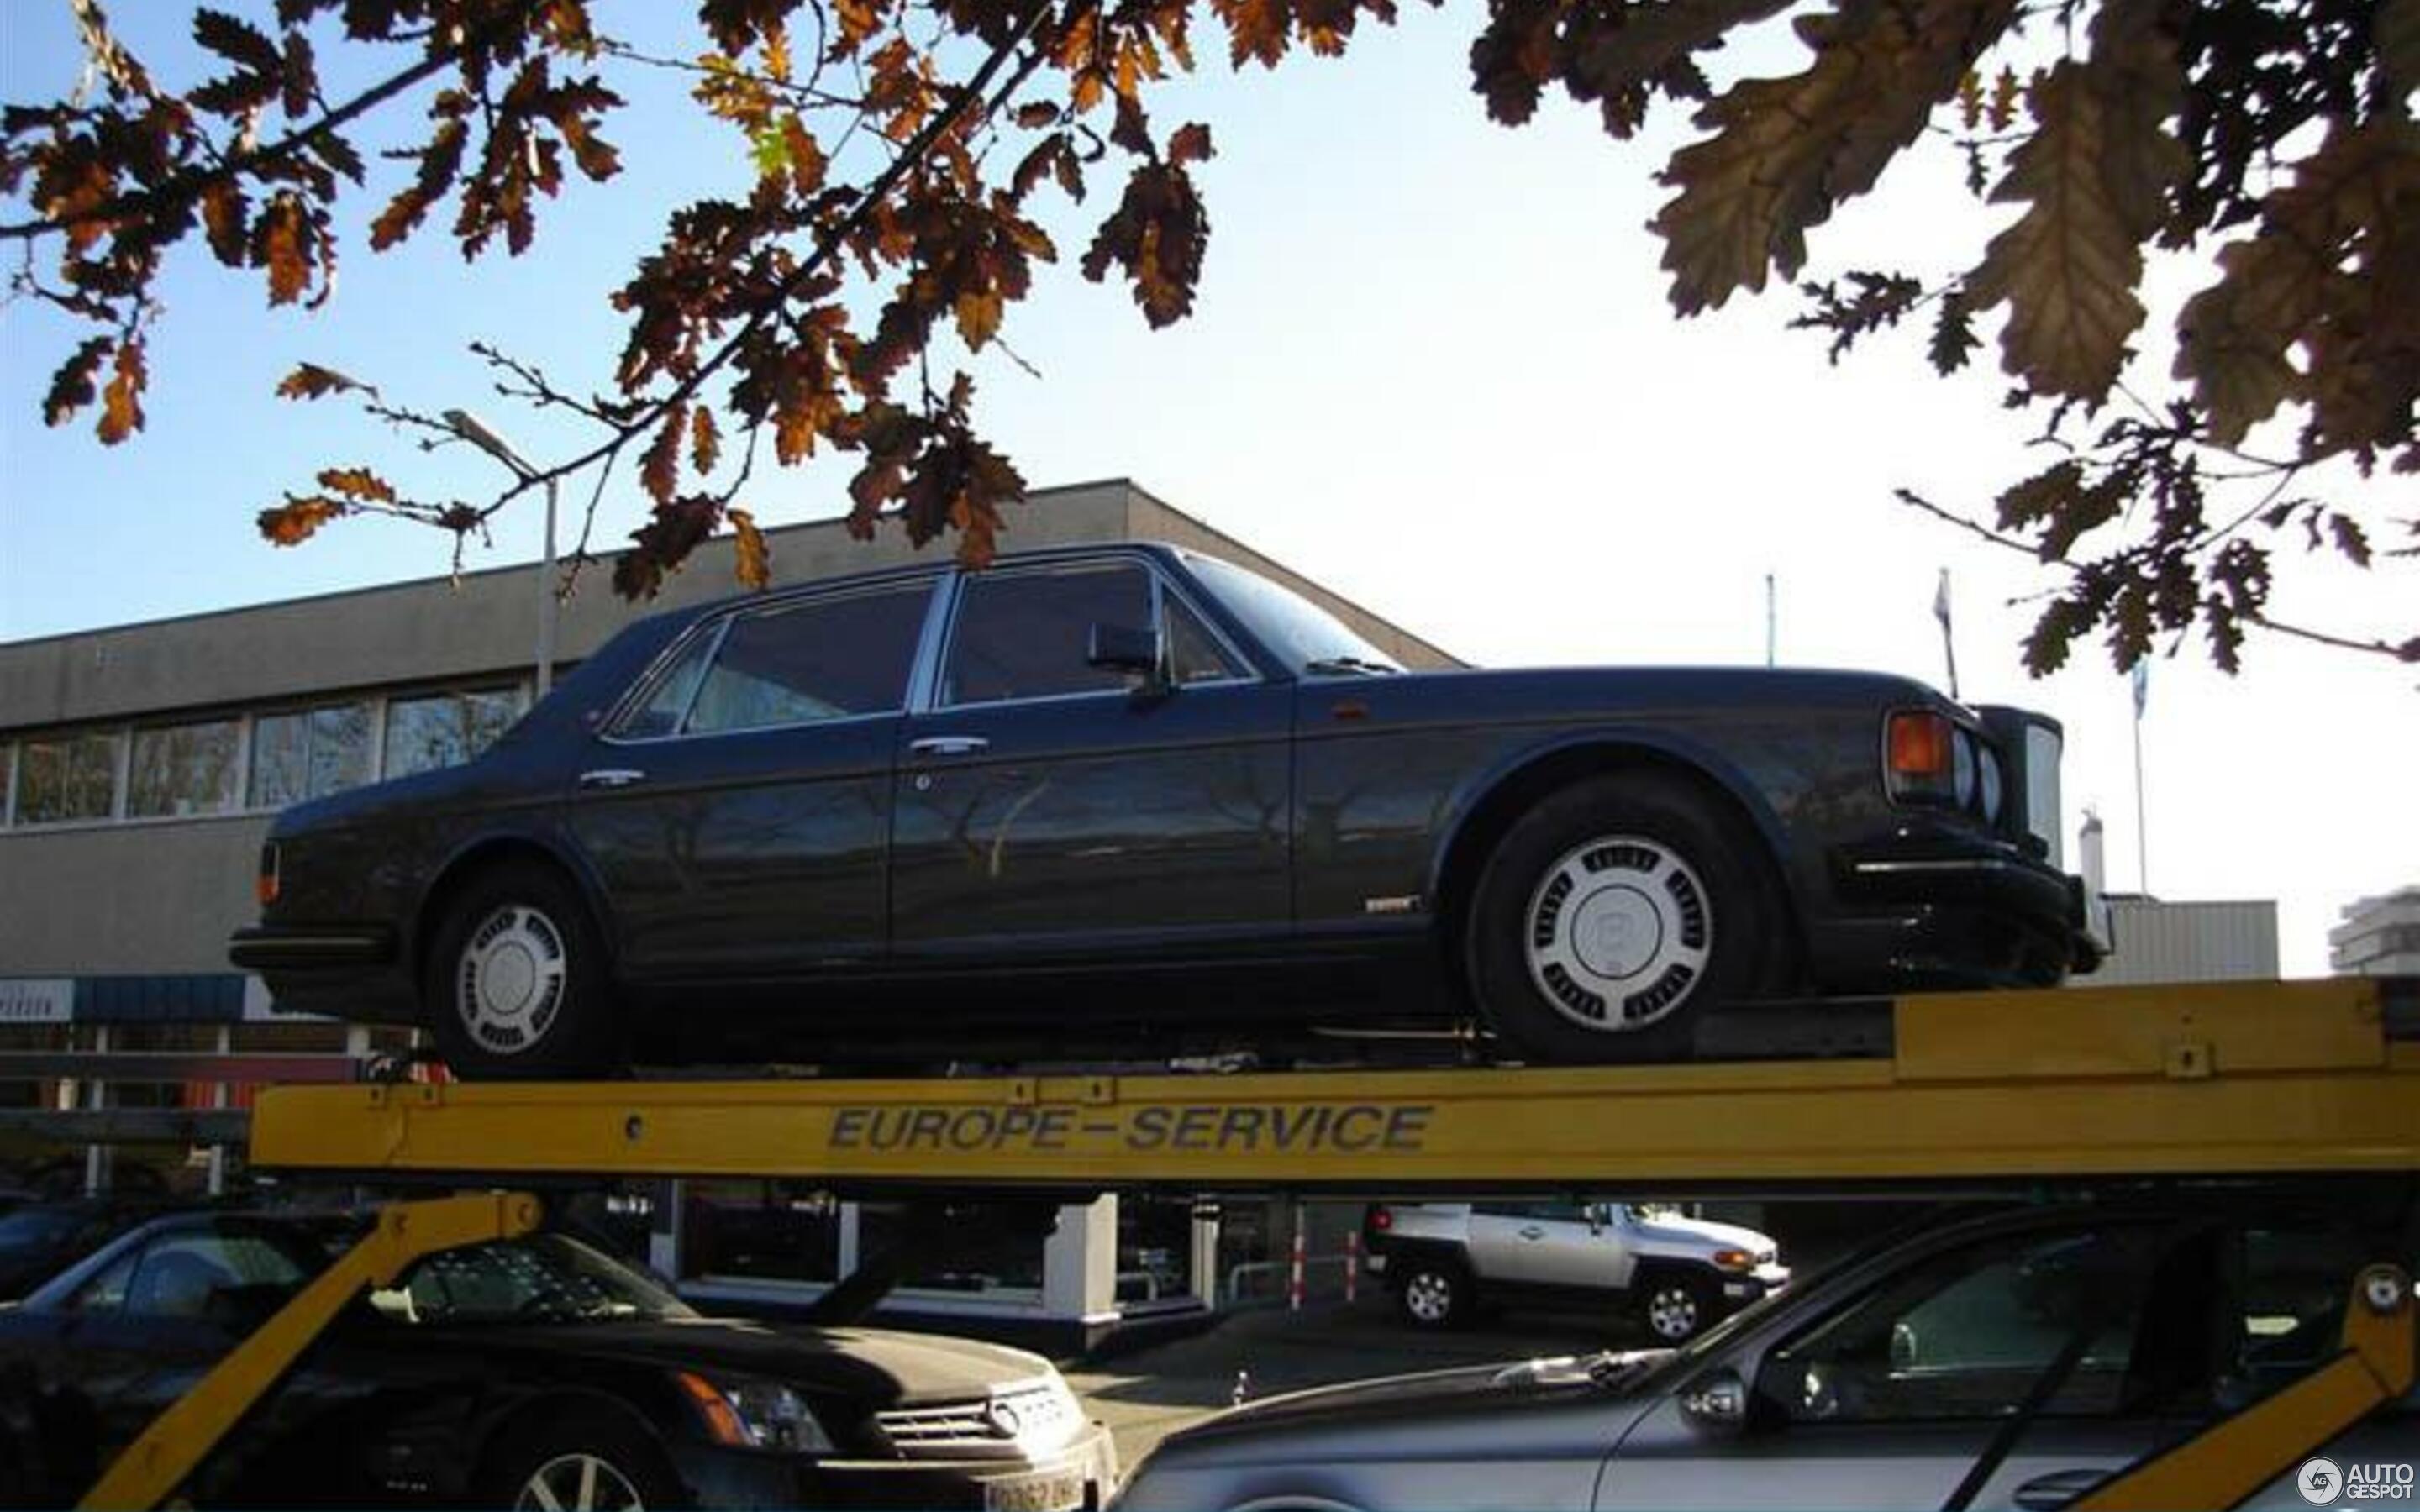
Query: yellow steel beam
(177, 1440)
(2234, 1459)
(2207, 1079)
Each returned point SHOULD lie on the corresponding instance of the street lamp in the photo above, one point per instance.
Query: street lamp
(468, 426)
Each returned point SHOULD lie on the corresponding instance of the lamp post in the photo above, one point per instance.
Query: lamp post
(468, 426)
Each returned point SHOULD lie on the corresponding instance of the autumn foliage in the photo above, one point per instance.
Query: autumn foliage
(2276, 137)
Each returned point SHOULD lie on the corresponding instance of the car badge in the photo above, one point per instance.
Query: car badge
(1004, 1419)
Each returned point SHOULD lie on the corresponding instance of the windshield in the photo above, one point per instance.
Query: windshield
(543, 1279)
(1298, 632)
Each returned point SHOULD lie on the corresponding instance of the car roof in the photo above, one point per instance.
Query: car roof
(1162, 552)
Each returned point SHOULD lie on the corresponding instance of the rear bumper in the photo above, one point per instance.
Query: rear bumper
(353, 972)
(311, 948)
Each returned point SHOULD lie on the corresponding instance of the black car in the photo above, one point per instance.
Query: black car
(1093, 790)
(525, 1373)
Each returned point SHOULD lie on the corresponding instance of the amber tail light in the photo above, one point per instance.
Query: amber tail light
(264, 886)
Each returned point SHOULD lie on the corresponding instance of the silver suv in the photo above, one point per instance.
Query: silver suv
(2005, 1357)
(1679, 1274)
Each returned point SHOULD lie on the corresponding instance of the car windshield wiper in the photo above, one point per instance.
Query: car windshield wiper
(1327, 665)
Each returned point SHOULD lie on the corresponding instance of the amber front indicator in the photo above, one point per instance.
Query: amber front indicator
(1920, 747)
(264, 886)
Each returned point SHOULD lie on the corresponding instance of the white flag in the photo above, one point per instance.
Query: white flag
(2142, 683)
(1940, 599)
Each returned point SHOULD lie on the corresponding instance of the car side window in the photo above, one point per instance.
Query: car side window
(667, 703)
(106, 1292)
(1969, 1334)
(1025, 633)
(1194, 654)
(213, 1275)
(828, 659)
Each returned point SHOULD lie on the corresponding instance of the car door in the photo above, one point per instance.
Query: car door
(1889, 1398)
(1543, 1244)
(737, 813)
(1048, 809)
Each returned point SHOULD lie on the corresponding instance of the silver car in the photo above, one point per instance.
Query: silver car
(2036, 1350)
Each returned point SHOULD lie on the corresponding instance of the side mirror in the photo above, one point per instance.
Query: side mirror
(1124, 648)
(1717, 1403)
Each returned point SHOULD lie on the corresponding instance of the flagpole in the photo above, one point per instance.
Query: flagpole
(2142, 826)
(1948, 645)
(1768, 619)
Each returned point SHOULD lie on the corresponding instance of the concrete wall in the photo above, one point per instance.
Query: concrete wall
(154, 897)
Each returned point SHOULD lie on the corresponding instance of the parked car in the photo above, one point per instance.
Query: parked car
(1104, 789)
(1444, 1259)
(1887, 1381)
(530, 1373)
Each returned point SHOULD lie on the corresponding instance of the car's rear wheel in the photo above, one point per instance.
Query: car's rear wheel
(577, 1460)
(1676, 1307)
(1609, 916)
(1434, 1292)
(517, 981)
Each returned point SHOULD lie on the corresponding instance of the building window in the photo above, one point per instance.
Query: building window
(309, 754)
(67, 778)
(446, 729)
(184, 769)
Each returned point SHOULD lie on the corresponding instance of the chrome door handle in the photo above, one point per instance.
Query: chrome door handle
(1533, 1232)
(948, 746)
(611, 776)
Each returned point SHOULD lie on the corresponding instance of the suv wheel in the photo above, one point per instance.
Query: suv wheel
(1676, 1307)
(1434, 1293)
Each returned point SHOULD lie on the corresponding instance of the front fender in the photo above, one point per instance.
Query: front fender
(1518, 776)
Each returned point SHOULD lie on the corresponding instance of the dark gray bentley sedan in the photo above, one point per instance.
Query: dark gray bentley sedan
(1113, 796)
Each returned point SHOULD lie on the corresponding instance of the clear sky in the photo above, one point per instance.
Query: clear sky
(1431, 365)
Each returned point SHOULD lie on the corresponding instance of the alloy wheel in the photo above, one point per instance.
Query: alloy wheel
(1429, 1297)
(577, 1482)
(1673, 1313)
(1618, 933)
(510, 979)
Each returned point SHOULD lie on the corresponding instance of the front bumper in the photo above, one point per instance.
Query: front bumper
(1755, 1285)
(1079, 1478)
(1939, 908)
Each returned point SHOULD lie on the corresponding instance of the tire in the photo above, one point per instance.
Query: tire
(1674, 1306)
(1435, 1292)
(1610, 914)
(541, 1463)
(517, 984)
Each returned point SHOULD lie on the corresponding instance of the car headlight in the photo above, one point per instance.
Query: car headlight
(755, 1415)
(1995, 786)
(1962, 770)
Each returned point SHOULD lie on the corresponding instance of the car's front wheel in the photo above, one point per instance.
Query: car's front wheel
(577, 1460)
(1676, 1307)
(1609, 916)
(517, 984)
